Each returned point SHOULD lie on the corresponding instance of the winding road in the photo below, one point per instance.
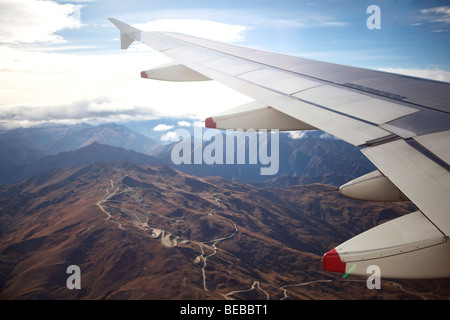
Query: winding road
(170, 240)
(166, 237)
(214, 248)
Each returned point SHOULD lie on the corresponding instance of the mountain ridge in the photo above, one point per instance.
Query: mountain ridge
(306, 160)
(94, 152)
(142, 231)
(301, 161)
(140, 227)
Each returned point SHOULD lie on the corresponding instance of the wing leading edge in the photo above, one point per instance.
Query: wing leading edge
(402, 123)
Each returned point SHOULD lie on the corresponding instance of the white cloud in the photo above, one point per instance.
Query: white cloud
(303, 22)
(433, 74)
(86, 110)
(201, 28)
(437, 14)
(162, 127)
(56, 78)
(30, 21)
(46, 85)
(184, 124)
(333, 24)
(281, 23)
(170, 136)
(297, 134)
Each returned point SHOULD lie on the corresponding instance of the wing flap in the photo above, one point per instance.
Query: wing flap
(279, 80)
(195, 54)
(437, 143)
(421, 179)
(355, 104)
(233, 65)
(406, 247)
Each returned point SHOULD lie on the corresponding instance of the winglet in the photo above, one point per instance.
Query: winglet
(127, 33)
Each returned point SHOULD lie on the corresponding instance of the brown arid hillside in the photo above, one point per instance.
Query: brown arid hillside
(152, 232)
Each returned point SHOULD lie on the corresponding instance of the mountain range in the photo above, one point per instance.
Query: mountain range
(140, 231)
(301, 161)
(313, 158)
(111, 201)
(26, 151)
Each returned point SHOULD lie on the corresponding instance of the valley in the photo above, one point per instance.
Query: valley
(142, 220)
(139, 228)
(153, 232)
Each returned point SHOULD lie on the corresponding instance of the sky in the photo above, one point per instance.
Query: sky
(60, 61)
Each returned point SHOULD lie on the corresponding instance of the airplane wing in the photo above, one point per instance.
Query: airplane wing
(402, 124)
